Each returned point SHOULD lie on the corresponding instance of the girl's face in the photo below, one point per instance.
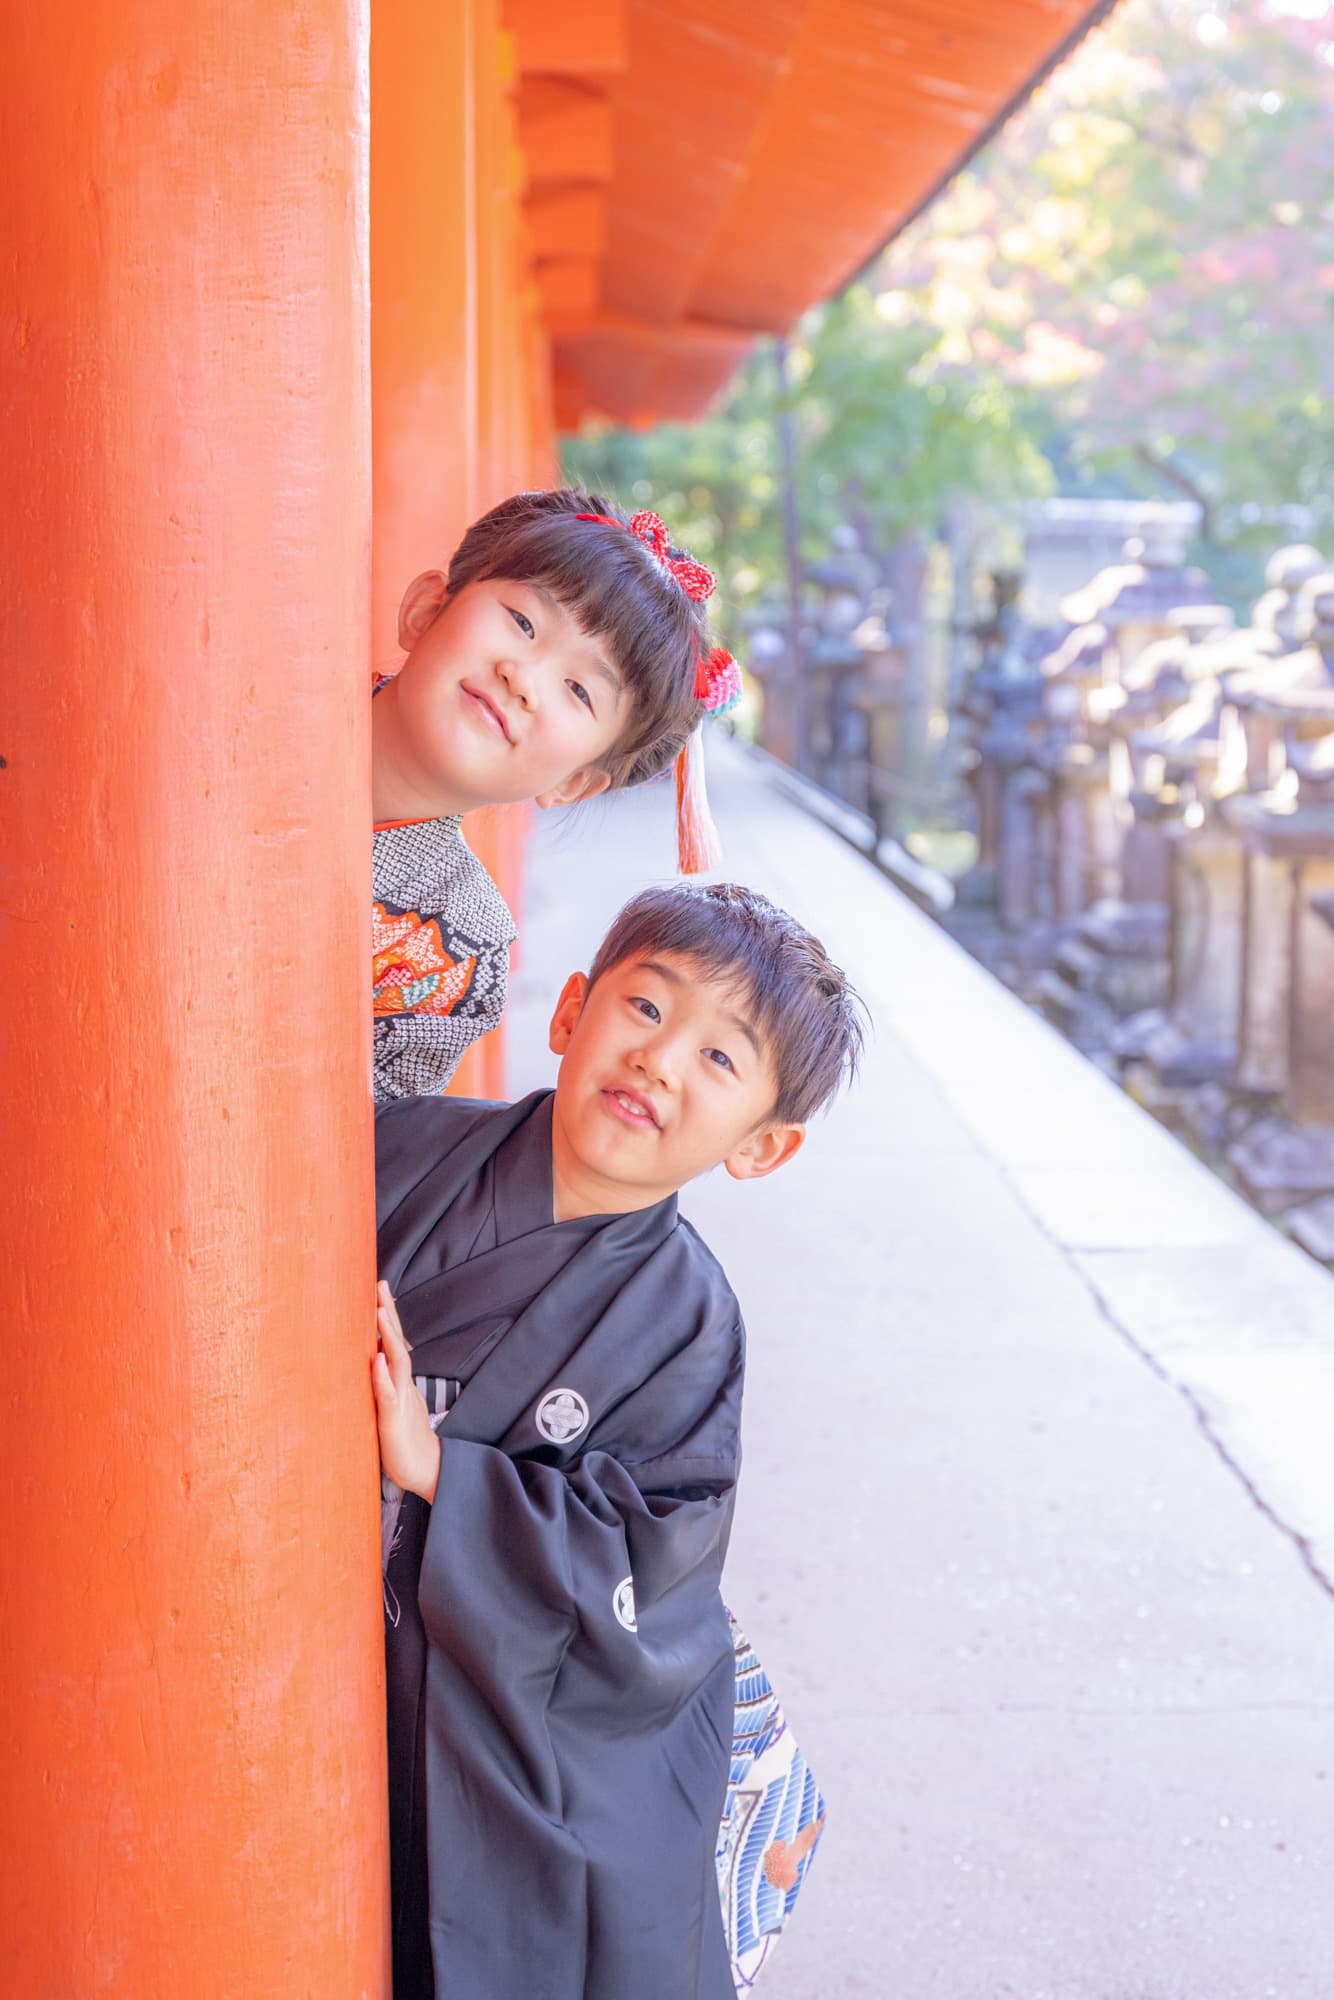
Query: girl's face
(504, 697)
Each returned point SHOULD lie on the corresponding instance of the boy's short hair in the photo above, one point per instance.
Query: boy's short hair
(615, 589)
(808, 1015)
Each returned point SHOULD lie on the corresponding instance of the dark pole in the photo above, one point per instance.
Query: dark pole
(787, 452)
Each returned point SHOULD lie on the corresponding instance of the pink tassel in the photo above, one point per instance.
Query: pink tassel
(698, 848)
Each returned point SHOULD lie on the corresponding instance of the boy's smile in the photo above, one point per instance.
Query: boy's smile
(629, 1105)
(503, 696)
(662, 1077)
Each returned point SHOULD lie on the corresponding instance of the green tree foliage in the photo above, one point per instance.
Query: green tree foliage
(1150, 245)
(884, 442)
(887, 439)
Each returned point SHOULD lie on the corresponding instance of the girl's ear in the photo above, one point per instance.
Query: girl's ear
(423, 601)
(765, 1152)
(585, 784)
(568, 1009)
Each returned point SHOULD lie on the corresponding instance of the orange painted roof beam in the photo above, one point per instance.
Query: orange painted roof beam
(568, 222)
(567, 131)
(584, 40)
(745, 162)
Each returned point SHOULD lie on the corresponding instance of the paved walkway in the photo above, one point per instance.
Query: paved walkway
(1036, 1533)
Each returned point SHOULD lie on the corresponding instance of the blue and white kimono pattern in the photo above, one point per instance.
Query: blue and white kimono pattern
(772, 1821)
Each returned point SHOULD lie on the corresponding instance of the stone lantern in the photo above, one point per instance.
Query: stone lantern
(1287, 1002)
(1280, 614)
(1117, 963)
(1182, 826)
(770, 666)
(1169, 727)
(1133, 604)
(1279, 609)
(1002, 699)
(833, 667)
(1313, 1223)
(1074, 769)
(883, 697)
(1192, 772)
(1085, 814)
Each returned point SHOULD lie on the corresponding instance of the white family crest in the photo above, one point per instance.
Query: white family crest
(623, 1604)
(561, 1415)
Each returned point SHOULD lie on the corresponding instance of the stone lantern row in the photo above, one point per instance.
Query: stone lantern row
(1155, 812)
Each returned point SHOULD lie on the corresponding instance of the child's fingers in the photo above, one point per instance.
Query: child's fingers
(382, 1382)
(387, 1311)
(391, 1334)
(395, 1349)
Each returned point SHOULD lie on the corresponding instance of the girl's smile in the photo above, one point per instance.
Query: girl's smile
(487, 709)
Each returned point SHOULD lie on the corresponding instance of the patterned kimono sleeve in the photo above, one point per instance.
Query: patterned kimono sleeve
(440, 970)
(417, 1054)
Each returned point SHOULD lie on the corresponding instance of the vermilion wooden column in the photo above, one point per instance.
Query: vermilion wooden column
(498, 301)
(438, 244)
(424, 254)
(189, 1595)
(503, 462)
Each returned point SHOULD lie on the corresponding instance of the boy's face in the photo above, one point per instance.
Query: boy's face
(662, 1077)
(503, 696)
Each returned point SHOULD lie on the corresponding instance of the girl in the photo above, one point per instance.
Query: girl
(565, 652)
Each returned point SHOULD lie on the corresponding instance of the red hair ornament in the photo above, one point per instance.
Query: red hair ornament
(718, 682)
(717, 690)
(697, 582)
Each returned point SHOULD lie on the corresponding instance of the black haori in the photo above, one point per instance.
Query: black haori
(560, 1667)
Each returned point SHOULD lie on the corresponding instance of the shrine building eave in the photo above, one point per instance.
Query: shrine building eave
(697, 176)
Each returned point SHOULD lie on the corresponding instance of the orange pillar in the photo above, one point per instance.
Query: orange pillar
(424, 253)
(498, 300)
(498, 837)
(193, 1787)
(438, 243)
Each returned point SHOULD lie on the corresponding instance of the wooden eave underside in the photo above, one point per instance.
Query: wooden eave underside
(698, 174)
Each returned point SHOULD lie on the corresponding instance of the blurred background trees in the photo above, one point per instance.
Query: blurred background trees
(1128, 293)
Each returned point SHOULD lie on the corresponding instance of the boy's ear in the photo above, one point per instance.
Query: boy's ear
(585, 784)
(765, 1152)
(423, 601)
(568, 1009)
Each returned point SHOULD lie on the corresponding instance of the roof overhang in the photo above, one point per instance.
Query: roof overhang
(699, 173)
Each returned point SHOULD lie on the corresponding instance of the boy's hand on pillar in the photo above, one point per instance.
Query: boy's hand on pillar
(409, 1448)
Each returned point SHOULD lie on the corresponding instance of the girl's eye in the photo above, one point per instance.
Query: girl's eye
(580, 693)
(718, 1057)
(646, 1008)
(525, 625)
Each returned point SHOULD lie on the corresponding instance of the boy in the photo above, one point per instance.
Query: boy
(560, 1671)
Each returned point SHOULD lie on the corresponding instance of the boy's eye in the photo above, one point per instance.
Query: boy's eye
(524, 624)
(581, 693)
(719, 1057)
(646, 1008)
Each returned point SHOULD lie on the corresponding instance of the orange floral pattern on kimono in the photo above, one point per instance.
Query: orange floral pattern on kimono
(411, 971)
(441, 937)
